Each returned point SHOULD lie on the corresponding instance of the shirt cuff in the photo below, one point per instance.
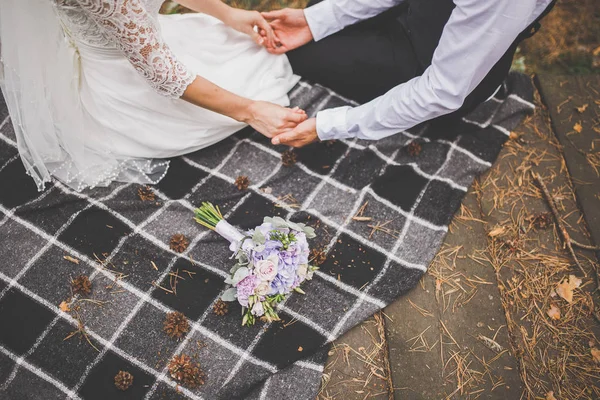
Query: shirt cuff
(321, 20)
(331, 124)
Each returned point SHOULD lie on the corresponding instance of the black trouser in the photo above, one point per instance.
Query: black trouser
(365, 60)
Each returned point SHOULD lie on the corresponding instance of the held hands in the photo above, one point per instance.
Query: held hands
(245, 21)
(303, 134)
(290, 29)
(271, 119)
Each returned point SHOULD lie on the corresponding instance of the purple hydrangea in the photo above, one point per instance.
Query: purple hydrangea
(245, 288)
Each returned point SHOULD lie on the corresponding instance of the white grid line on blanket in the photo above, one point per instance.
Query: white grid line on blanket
(167, 270)
(13, 158)
(21, 360)
(303, 167)
(384, 269)
(354, 235)
(50, 242)
(522, 100)
(68, 318)
(14, 209)
(454, 146)
(40, 373)
(135, 291)
(265, 389)
(326, 179)
(349, 189)
(166, 248)
(30, 263)
(344, 287)
(413, 165)
(207, 311)
(109, 210)
(306, 202)
(248, 352)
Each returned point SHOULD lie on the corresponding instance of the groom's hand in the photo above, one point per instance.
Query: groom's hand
(303, 134)
(290, 28)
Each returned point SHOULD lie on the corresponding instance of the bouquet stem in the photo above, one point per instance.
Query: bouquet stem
(208, 215)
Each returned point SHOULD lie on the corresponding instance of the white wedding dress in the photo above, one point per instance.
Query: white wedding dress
(106, 102)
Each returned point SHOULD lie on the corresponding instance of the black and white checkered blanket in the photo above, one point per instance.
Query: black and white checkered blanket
(122, 244)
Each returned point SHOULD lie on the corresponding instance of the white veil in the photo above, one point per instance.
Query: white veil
(39, 77)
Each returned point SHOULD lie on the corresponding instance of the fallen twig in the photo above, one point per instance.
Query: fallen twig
(561, 226)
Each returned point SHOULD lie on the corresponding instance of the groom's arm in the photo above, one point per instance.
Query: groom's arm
(476, 36)
(331, 16)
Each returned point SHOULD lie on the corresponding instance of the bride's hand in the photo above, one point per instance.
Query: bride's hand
(272, 119)
(244, 21)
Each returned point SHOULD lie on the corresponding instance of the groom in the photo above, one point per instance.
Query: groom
(407, 61)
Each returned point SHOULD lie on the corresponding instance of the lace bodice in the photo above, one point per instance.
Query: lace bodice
(130, 26)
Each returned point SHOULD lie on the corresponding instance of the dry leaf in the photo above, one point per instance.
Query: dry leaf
(577, 127)
(64, 306)
(565, 288)
(595, 354)
(596, 51)
(71, 259)
(300, 348)
(550, 396)
(498, 230)
(553, 312)
(582, 109)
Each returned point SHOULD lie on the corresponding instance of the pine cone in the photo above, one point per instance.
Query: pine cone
(179, 243)
(123, 380)
(288, 158)
(146, 193)
(242, 182)
(414, 148)
(186, 372)
(81, 285)
(318, 256)
(176, 325)
(542, 221)
(220, 308)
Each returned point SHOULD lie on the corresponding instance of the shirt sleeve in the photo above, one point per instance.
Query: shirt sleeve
(331, 16)
(137, 35)
(476, 36)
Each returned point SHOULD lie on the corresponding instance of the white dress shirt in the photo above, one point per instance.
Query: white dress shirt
(476, 36)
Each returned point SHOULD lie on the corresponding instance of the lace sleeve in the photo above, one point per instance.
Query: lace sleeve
(136, 34)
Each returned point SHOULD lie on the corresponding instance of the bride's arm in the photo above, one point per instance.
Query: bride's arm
(241, 20)
(138, 37)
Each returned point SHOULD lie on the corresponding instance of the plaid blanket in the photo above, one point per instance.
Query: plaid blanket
(54, 344)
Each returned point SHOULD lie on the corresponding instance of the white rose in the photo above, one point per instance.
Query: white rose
(266, 270)
(262, 289)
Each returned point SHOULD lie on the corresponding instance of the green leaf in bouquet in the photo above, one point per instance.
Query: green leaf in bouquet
(239, 275)
(242, 258)
(279, 222)
(309, 231)
(229, 295)
(235, 267)
(258, 237)
(297, 289)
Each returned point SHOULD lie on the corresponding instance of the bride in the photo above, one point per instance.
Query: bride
(102, 90)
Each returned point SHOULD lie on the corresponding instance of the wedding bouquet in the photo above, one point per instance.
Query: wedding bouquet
(271, 262)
